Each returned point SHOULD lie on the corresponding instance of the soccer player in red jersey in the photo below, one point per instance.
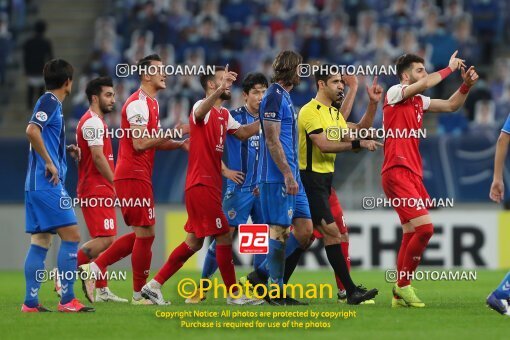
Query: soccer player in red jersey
(133, 176)
(95, 178)
(209, 122)
(402, 177)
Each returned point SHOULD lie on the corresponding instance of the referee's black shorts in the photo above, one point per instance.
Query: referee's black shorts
(318, 188)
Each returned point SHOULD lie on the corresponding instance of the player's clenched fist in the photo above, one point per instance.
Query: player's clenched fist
(371, 145)
(456, 63)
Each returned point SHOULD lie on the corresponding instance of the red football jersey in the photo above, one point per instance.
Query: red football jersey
(207, 139)
(403, 116)
(91, 131)
(141, 110)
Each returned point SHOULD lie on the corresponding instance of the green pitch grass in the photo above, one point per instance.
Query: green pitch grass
(454, 310)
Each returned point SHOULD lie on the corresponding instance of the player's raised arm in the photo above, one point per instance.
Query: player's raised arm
(374, 92)
(458, 99)
(498, 188)
(205, 106)
(351, 81)
(416, 70)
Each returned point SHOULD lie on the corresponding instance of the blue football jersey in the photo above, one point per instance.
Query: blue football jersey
(48, 116)
(243, 155)
(277, 106)
(506, 127)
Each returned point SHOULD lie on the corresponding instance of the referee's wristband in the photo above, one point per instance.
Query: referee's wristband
(356, 145)
(445, 72)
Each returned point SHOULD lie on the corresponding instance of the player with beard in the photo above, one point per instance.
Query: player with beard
(209, 123)
(133, 178)
(95, 177)
(402, 171)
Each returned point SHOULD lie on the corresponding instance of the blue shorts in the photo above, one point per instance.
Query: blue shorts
(239, 205)
(48, 210)
(280, 209)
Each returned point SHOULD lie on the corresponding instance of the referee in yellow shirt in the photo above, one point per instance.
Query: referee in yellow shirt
(322, 132)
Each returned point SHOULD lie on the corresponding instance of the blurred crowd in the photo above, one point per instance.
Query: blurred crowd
(247, 34)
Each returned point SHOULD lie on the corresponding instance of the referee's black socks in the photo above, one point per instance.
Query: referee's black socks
(337, 261)
(291, 263)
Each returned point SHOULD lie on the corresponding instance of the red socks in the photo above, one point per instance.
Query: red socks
(226, 264)
(141, 261)
(175, 261)
(415, 248)
(406, 237)
(345, 252)
(82, 257)
(119, 249)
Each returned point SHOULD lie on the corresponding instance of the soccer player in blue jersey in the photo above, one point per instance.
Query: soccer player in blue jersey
(241, 198)
(500, 298)
(47, 203)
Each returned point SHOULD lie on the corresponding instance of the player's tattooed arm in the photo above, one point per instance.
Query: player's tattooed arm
(432, 79)
(351, 81)
(35, 138)
(272, 136)
(206, 105)
(236, 176)
(101, 163)
(458, 99)
(246, 131)
(498, 188)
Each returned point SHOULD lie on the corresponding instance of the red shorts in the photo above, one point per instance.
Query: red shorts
(101, 221)
(205, 214)
(337, 212)
(401, 183)
(137, 202)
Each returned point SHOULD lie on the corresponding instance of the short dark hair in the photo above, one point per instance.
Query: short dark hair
(94, 87)
(405, 61)
(285, 67)
(146, 61)
(323, 73)
(252, 79)
(56, 72)
(204, 78)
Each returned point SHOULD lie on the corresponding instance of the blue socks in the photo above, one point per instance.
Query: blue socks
(67, 262)
(33, 264)
(210, 264)
(503, 290)
(257, 260)
(291, 245)
(276, 261)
